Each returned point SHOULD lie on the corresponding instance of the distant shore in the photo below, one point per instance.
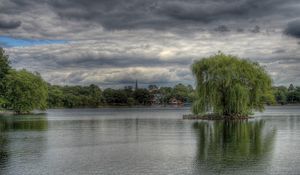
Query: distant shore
(214, 117)
(187, 116)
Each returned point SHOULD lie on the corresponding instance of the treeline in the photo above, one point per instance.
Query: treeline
(93, 96)
(22, 91)
(284, 95)
(74, 96)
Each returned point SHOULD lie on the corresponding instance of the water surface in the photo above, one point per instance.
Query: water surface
(149, 141)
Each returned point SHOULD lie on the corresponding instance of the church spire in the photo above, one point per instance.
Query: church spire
(136, 85)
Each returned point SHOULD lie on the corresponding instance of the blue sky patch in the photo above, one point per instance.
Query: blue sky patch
(6, 41)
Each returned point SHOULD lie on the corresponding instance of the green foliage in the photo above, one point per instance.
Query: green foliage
(4, 64)
(280, 94)
(20, 91)
(180, 92)
(25, 91)
(166, 93)
(142, 96)
(230, 86)
(74, 96)
(293, 96)
(114, 97)
(2, 101)
(55, 96)
(284, 95)
(129, 91)
(4, 68)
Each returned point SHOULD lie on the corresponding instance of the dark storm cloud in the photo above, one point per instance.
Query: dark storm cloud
(279, 51)
(240, 30)
(113, 14)
(293, 29)
(222, 28)
(119, 61)
(158, 14)
(256, 29)
(117, 14)
(6, 24)
(101, 61)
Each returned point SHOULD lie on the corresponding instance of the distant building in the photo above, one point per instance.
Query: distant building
(154, 90)
(174, 101)
(156, 99)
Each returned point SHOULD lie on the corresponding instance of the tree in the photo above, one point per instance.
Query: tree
(166, 94)
(293, 96)
(180, 92)
(94, 95)
(142, 96)
(25, 91)
(113, 96)
(120, 97)
(4, 68)
(129, 91)
(229, 86)
(55, 96)
(280, 94)
(108, 95)
(4, 64)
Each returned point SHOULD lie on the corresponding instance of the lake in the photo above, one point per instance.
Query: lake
(149, 141)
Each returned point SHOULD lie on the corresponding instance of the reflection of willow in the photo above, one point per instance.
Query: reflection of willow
(232, 143)
(26, 122)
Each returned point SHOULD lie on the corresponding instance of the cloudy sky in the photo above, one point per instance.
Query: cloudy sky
(112, 43)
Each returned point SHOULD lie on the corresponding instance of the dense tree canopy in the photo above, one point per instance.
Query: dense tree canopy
(229, 86)
(4, 68)
(74, 96)
(113, 96)
(142, 96)
(25, 91)
(4, 63)
(20, 91)
(182, 92)
(93, 96)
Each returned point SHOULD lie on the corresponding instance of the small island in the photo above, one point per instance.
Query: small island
(229, 88)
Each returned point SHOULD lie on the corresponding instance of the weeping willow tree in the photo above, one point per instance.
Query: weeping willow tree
(229, 86)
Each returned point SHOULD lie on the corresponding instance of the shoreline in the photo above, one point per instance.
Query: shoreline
(213, 117)
(158, 105)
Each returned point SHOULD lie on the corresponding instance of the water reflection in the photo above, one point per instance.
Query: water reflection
(23, 122)
(4, 153)
(14, 131)
(222, 146)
